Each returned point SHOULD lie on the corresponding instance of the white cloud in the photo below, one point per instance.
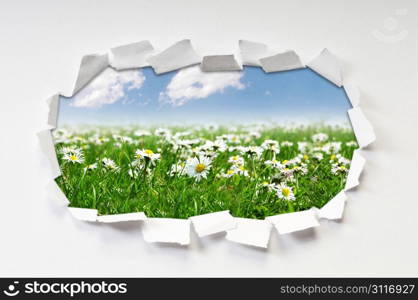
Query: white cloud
(192, 83)
(108, 88)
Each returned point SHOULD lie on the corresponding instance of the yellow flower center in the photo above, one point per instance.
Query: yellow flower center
(73, 157)
(241, 168)
(200, 168)
(285, 162)
(275, 161)
(333, 157)
(149, 152)
(230, 172)
(286, 192)
(305, 157)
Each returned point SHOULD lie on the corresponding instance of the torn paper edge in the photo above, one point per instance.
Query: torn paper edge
(334, 209)
(220, 63)
(91, 65)
(91, 215)
(212, 223)
(131, 56)
(285, 61)
(47, 148)
(180, 55)
(295, 221)
(251, 232)
(252, 52)
(166, 230)
(362, 127)
(356, 167)
(139, 216)
(84, 214)
(327, 65)
(53, 107)
(353, 93)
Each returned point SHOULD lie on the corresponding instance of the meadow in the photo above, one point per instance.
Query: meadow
(253, 171)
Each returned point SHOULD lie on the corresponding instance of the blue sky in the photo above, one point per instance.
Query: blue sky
(190, 96)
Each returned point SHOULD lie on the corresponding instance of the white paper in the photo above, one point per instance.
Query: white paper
(165, 230)
(213, 223)
(91, 65)
(53, 105)
(47, 147)
(56, 193)
(131, 56)
(180, 55)
(245, 231)
(296, 221)
(251, 52)
(327, 65)
(250, 232)
(285, 61)
(140, 216)
(220, 63)
(361, 126)
(353, 93)
(84, 214)
(334, 209)
(356, 167)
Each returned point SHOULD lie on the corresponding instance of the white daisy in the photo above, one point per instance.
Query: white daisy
(74, 157)
(332, 147)
(70, 150)
(140, 132)
(274, 163)
(252, 151)
(337, 169)
(342, 160)
(302, 146)
(270, 145)
(133, 173)
(90, 167)
(109, 164)
(254, 134)
(286, 144)
(287, 172)
(302, 169)
(147, 154)
(338, 158)
(240, 170)
(236, 160)
(163, 132)
(178, 169)
(270, 186)
(232, 138)
(351, 144)
(304, 157)
(229, 173)
(285, 192)
(198, 167)
(217, 145)
(319, 137)
(125, 139)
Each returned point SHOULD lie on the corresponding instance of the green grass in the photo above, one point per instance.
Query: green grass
(160, 195)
